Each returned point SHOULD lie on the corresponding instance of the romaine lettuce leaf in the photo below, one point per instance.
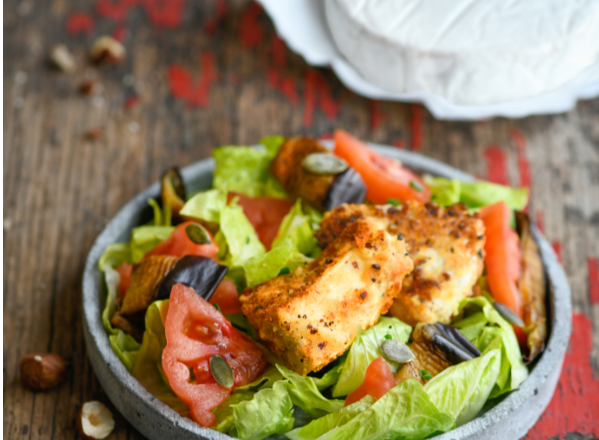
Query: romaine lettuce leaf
(224, 412)
(487, 330)
(125, 347)
(321, 426)
(405, 412)
(147, 368)
(330, 378)
(146, 238)
(365, 349)
(114, 255)
(262, 268)
(237, 239)
(245, 170)
(270, 411)
(206, 206)
(272, 144)
(162, 216)
(461, 390)
(266, 380)
(305, 394)
(475, 194)
(297, 226)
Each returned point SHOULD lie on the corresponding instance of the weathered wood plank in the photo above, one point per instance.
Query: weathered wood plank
(60, 189)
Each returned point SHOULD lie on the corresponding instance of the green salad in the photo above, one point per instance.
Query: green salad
(302, 299)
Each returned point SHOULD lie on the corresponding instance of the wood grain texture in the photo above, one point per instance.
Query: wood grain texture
(237, 82)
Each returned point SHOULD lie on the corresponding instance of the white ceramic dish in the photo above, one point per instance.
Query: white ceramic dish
(302, 25)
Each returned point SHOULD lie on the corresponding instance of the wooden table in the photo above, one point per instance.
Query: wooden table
(204, 74)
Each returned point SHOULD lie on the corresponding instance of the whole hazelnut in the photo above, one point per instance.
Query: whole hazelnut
(42, 371)
(94, 421)
(107, 50)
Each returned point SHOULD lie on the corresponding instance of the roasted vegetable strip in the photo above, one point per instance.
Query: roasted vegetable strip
(533, 287)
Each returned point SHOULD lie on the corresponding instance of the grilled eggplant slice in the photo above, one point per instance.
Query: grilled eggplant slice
(325, 191)
(533, 288)
(410, 370)
(147, 276)
(203, 274)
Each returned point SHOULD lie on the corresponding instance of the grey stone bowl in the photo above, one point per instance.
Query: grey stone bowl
(509, 419)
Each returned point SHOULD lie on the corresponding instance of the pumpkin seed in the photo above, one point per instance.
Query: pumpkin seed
(425, 375)
(507, 314)
(221, 371)
(396, 351)
(324, 164)
(197, 234)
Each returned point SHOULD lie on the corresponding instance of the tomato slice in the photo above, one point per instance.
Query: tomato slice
(503, 259)
(124, 270)
(378, 380)
(384, 178)
(178, 244)
(226, 297)
(265, 214)
(196, 331)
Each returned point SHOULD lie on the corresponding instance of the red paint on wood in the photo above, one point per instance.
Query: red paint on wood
(165, 14)
(416, 127)
(288, 89)
(557, 247)
(326, 135)
(575, 404)
(220, 11)
(376, 115)
(277, 48)
(540, 220)
(272, 77)
(250, 32)
(120, 33)
(593, 266)
(181, 83)
(79, 23)
(496, 165)
(399, 143)
(317, 87)
(329, 106)
(523, 163)
(131, 102)
(114, 10)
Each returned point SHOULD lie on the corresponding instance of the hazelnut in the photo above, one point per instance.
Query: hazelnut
(42, 371)
(62, 59)
(107, 50)
(94, 421)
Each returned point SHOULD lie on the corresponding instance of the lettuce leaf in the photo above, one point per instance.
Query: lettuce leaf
(206, 206)
(125, 347)
(365, 349)
(262, 268)
(147, 368)
(237, 239)
(329, 379)
(114, 255)
(270, 411)
(266, 380)
(146, 238)
(405, 412)
(305, 394)
(245, 170)
(224, 412)
(321, 426)
(461, 390)
(487, 330)
(297, 226)
(272, 144)
(475, 194)
(162, 216)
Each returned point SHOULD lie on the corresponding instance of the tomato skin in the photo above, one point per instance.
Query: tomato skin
(264, 213)
(178, 244)
(378, 380)
(226, 297)
(503, 259)
(196, 331)
(384, 178)
(124, 269)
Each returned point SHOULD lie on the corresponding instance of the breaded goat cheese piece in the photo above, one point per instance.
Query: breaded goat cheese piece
(445, 244)
(311, 316)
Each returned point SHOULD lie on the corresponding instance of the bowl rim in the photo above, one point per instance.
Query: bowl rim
(108, 366)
